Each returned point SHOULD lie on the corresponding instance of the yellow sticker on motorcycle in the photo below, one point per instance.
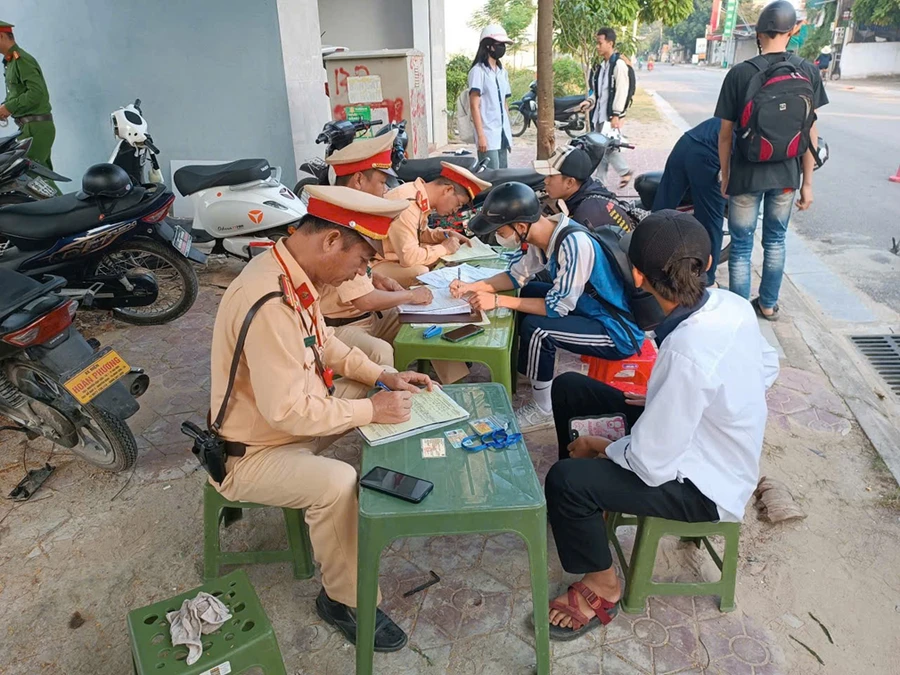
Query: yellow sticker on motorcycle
(97, 377)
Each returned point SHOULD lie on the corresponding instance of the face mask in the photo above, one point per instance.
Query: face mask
(508, 242)
(498, 50)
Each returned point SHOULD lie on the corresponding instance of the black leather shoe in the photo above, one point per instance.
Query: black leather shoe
(389, 637)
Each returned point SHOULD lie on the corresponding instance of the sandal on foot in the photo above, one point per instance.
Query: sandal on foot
(759, 311)
(604, 612)
(625, 180)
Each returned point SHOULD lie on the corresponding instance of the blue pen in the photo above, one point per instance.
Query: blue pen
(381, 385)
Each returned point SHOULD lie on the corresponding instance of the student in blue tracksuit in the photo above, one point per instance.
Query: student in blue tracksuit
(563, 314)
(694, 163)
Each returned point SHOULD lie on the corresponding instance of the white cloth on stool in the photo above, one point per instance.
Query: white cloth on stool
(201, 615)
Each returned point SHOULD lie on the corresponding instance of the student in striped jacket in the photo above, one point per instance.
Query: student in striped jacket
(564, 314)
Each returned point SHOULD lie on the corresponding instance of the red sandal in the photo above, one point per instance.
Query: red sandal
(604, 612)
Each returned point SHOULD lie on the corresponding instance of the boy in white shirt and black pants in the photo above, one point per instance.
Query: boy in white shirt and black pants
(693, 453)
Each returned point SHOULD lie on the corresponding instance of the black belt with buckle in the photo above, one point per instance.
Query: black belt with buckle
(337, 323)
(26, 119)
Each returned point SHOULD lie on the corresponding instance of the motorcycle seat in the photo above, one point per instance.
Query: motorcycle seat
(528, 176)
(31, 226)
(563, 103)
(193, 178)
(429, 168)
(647, 184)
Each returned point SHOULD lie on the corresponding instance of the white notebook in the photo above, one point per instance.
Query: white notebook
(430, 410)
(441, 303)
(476, 251)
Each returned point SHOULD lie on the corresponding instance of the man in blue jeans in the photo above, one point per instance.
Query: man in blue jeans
(694, 163)
(770, 185)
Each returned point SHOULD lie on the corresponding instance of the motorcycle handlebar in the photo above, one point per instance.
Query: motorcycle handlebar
(152, 147)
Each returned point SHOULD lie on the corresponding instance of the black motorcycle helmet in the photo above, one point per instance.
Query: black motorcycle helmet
(506, 204)
(777, 17)
(104, 180)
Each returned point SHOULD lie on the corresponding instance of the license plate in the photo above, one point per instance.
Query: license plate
(182, 241)
(100, 375)
(41, 187)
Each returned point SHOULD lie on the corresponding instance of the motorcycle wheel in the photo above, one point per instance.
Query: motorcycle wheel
(517, 122)
(302, 194)
(102, 439)
(177, 280)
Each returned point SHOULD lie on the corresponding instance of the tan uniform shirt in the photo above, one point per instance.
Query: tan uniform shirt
(410, 241)
(278, 395)
(337, 303)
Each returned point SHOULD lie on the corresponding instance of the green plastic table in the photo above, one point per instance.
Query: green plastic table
(493, 347)
(488, 491)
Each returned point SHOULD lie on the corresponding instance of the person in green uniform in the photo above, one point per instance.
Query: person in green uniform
(27, 98)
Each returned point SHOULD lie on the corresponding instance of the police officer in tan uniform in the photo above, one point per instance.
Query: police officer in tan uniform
(285, 407)
(363, 311)
(412, 247)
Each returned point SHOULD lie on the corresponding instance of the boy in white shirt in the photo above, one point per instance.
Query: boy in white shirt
(693, 454)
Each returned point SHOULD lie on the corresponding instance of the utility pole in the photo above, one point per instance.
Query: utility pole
(546, 130)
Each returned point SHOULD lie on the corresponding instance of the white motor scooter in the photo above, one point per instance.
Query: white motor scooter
(240, 207)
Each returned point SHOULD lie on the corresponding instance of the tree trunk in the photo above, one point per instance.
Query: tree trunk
(545, 128)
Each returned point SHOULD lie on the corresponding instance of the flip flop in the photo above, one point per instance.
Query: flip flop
(604, 612)
(758, 308)
(625, 180)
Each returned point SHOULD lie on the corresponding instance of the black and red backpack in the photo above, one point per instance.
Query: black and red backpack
(778, 111)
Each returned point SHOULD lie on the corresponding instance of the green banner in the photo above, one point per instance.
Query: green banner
(730, 18)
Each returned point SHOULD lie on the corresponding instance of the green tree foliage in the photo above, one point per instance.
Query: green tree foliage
(877, 12)
(693, 27)
(576, 22)
(457, 76)
(568, 77)
(514, 15)
(821, 36)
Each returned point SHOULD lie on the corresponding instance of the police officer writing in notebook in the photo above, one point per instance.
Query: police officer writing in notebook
(27, 99)
(363, 311)
(286, 407)
(412, 247)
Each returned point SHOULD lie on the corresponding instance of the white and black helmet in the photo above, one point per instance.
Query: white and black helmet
(129, 125)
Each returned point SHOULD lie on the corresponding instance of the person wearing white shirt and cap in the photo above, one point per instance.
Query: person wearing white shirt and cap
(489, 93)
(693, 453)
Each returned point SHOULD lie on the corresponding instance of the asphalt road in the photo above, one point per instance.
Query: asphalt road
(856, 211)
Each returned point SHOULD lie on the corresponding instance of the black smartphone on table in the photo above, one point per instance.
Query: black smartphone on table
(459, 334)
(397, 484)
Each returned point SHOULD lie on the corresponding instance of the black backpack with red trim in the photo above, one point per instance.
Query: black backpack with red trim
(778, 111)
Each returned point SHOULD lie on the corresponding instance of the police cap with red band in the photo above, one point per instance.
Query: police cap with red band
(368, 215)
(364, 154)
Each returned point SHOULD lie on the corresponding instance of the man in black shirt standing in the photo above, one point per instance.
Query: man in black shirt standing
(770, 184)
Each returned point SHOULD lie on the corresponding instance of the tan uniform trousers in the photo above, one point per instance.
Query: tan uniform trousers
(405, 276)
(294, 476)
(373, 335)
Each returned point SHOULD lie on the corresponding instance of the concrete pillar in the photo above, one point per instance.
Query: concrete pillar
(428, 38)
(304, 76)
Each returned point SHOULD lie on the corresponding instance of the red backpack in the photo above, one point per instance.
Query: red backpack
(778, 111)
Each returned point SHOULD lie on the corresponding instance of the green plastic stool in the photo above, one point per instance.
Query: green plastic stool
(245, 641)
(299, 551)
(638, 572)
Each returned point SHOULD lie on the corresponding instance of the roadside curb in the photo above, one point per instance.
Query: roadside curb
(851, 377)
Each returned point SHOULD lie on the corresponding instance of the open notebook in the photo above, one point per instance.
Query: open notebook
(430, 410)
(476, 251)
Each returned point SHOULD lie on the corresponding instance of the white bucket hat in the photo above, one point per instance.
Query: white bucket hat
(496, 32)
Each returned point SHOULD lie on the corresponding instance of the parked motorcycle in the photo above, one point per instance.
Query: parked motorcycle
(237, 205)
(22, 179)
(566, 114)
(116, 252)
(54, 384)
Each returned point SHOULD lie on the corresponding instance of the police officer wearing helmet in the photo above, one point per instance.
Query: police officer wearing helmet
(27, 99)
(286, 407)
(584, 310)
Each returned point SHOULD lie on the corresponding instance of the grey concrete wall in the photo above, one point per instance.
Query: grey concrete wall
(361, 25)
(210, 74)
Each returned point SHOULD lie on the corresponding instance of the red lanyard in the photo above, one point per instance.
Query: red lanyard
(298, 304)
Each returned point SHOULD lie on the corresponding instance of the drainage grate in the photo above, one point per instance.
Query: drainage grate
(883, 352)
